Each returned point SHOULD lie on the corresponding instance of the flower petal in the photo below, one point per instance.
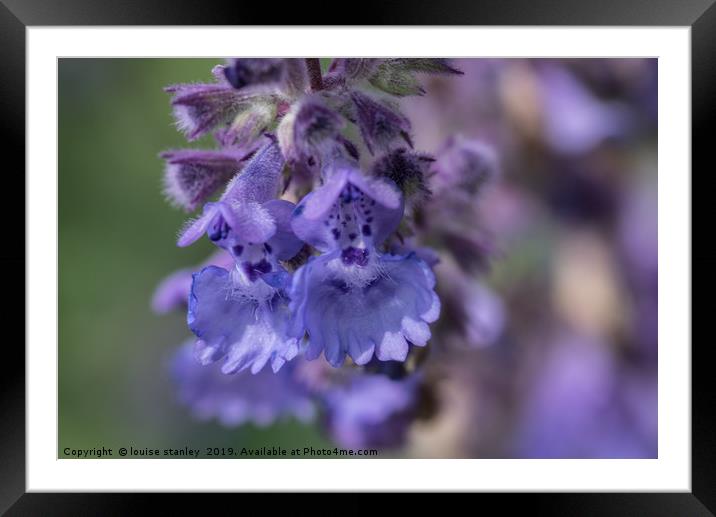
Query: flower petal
(381, 317)
(371, 410)
(236, 399)
(250, 222)
(315, 218)
(194, 229)
(284, 242)
(247, 333)
(259, 180)
(309, 217)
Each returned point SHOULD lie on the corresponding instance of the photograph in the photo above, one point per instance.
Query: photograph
(366, 258)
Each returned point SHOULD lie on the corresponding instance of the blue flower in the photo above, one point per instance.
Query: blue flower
(248, 211)
(173, 291)
(242, 317)
(579, 405)
(241, 398)
(353, 299)
(241, 314)
(371, 410)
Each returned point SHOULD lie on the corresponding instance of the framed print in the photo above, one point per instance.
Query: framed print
(452, 255)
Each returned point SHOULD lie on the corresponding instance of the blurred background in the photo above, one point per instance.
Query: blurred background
(569, 369)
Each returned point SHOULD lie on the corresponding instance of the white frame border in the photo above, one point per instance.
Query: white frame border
(671, 471)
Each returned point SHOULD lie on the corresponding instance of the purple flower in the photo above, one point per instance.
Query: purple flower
(241, 398)
(575, 120)
(450, 214)
(479, 315)
(462, 168)
(173, 292)
(576, 408)
(248, 213)
(349, 211)
(191, 176)
(242, 314)
(371, 410)
(352, 299)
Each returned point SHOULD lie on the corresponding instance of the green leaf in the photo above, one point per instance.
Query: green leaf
(424, 65)
(396, 81)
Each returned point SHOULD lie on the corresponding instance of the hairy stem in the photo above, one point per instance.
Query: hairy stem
(314, 73)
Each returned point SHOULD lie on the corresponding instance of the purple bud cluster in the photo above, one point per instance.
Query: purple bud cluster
(329, 229)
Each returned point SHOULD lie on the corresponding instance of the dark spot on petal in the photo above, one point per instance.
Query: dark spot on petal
(366, 230)
(219, 229)
(263, 266)
(351, 255)
(340, 285)
(253, 271)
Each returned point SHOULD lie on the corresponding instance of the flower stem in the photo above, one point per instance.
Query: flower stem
(314, 73)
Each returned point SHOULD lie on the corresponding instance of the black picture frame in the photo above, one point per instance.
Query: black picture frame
(16, 15)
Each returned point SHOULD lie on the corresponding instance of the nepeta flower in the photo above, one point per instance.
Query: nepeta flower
(242, 314)
(462, 168)
(576, 407)
(474, 311)
(248, 211)
(353, 299)
(575, 120)
(371, 410)
(173, 291)
(237, 399)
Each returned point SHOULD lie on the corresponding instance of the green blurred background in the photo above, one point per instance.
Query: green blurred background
(116, 242)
